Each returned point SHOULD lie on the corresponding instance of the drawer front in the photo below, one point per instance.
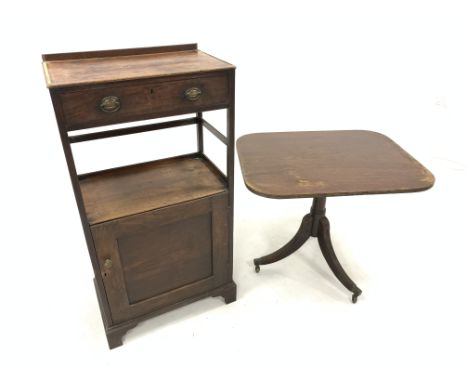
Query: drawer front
(160, 258)
(151, 99)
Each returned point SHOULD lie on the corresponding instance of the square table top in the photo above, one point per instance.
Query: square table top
(328, 163)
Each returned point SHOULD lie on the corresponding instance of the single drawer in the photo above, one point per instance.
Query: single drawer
(111, 104)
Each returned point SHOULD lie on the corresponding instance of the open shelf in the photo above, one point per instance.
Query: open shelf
(125, 191)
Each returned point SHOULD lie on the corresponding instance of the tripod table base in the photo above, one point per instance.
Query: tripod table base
(314, 224)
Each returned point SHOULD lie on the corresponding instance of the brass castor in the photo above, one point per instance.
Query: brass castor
(257, 267)
(355, 296)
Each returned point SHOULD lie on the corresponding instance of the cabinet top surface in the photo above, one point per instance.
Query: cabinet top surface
(130, 190)
(88, 68)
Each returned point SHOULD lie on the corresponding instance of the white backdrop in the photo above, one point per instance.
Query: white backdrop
(397, 67)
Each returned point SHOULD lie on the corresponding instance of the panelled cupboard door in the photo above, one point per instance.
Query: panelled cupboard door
(157, 258)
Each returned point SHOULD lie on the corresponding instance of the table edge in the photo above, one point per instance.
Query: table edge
(259, 192)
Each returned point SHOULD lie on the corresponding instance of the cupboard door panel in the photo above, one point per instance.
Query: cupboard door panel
(161, 257)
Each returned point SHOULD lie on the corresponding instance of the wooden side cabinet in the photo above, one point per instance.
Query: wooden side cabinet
(159, 233)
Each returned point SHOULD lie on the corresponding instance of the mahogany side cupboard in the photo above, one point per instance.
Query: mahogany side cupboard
(159, 234)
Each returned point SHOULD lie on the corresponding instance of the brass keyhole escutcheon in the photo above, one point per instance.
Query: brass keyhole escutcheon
(110, 104)
(193, 94)
(108, 263)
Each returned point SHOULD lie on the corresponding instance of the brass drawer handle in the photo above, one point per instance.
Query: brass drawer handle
(193, 94)
(110, 104)
(108, 263)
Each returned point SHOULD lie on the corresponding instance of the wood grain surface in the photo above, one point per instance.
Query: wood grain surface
(143, 100)
(163, 256)
(130, 190)
(159, 234)
(87, 71)
(328, 163)
(118, 52)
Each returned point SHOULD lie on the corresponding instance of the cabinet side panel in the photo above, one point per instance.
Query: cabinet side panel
(220, 236)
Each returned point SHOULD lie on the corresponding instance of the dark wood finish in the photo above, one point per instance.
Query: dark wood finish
(125, 191)
(156, 258)
(159, 234)
(230, 123)
(200, 143)
(325, 163)
(117, 52)
(298, 240)
(143, 100)
(163, 256)
(215, 132)
(131, 130)
(104, 305)
(328, 163)
(216, 169)
(326, 247)
(116, 332)
(128, 66)
(314, 224)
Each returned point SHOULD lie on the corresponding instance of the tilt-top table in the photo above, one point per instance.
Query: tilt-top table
(319, 164)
